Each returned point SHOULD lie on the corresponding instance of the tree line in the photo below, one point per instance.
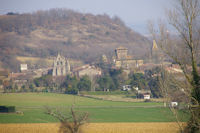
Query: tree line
(111, 80)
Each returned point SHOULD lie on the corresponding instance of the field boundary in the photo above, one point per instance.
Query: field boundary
(135, 106)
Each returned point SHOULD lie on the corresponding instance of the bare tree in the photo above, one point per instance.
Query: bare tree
(185, 18)
(69, 124)
(173, 90)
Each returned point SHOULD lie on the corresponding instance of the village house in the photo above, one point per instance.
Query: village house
(42, 71)
(174, 68)
(21, 79)
(88, 70)
(145, 94)
(23, 67)
(4, 74)
(126, 88)
(173, 104)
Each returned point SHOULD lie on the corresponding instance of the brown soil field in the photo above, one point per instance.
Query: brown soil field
(170, 127)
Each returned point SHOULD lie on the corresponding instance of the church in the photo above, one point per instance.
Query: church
(61, 66)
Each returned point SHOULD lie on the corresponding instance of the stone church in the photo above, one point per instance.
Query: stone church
(61, 66)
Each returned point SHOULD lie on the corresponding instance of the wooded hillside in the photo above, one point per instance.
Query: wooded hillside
(75, 35)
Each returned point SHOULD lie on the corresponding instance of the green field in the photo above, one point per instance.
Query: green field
(32, 104)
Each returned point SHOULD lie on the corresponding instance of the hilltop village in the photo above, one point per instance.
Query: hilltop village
(120, 72)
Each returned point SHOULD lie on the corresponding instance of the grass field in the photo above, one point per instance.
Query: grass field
(93, 128)
(32, 104)
(52, 99)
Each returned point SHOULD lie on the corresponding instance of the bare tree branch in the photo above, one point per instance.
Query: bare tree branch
(185, 19)
(70, 124)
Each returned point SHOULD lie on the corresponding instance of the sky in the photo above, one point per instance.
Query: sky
(135, 13)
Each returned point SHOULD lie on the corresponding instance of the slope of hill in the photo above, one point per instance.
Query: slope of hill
(75, 35)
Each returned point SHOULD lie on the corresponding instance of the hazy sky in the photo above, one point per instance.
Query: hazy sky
(134, 13)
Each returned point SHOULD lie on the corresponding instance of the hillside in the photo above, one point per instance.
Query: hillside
(75, 35)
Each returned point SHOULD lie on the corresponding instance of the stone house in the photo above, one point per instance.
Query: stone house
(88, 70)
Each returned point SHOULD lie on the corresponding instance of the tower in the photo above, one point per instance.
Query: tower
(121, 53)
(155, 53)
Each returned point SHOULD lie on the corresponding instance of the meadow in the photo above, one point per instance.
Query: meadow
(32, 106)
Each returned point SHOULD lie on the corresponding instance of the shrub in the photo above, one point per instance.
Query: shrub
(11, 109)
